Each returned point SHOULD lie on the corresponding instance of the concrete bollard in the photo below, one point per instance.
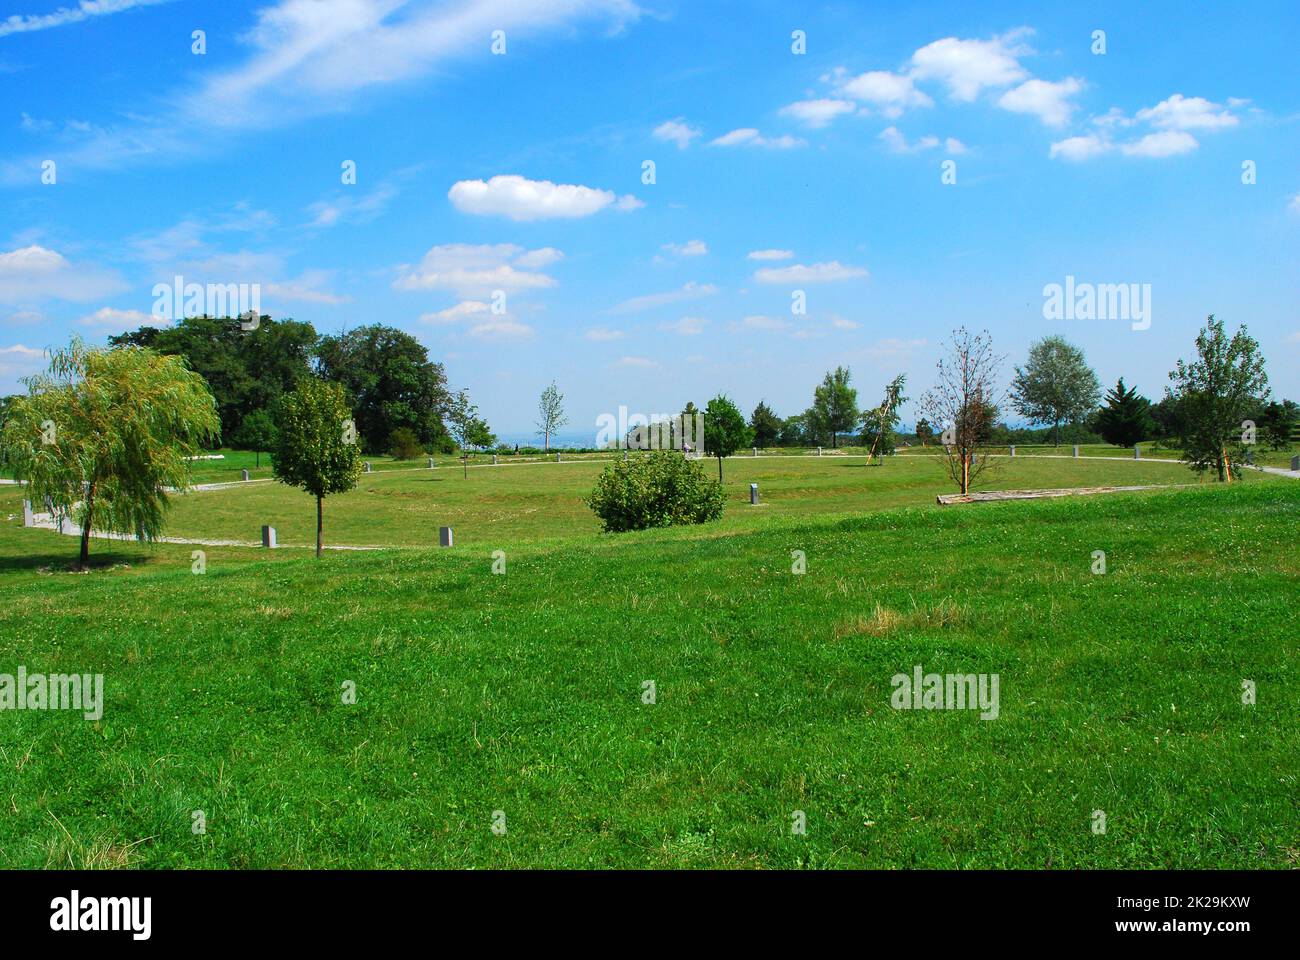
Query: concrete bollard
(367, 466)
(1137, 452)
(624, 455)
(245, 473)
(557, 458)
(1295, 463)
(1076, 451)
(268, 538)
(1013, 451)
(494, 459)
(753, 494)
(819, 451)
(431, 463)
(445, 537)
(29, 518)
(755, 449)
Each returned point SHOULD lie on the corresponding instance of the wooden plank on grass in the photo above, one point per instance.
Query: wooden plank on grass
(948, 499)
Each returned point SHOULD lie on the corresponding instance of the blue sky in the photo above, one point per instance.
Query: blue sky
(775, 172)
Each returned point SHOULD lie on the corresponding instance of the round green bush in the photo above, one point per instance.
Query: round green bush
(659, 489)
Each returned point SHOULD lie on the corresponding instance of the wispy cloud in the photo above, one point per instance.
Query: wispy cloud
(85, 10)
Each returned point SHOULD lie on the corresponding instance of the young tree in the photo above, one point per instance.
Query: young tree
(467, 428)
(725, 430)
(1126, 418)
(1215, 394)
(964, 403)
(1277, 422)
(317, 448)
(924, 431)
(256, 433)
(550, 412)
(879, 423)
(836, 404)
(765, 424)
(103, 434)
(1055, 386)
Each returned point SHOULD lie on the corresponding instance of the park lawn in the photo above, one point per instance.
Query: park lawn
(511, 503)
(522, 692)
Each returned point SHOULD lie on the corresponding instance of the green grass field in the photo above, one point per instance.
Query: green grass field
(522, 692)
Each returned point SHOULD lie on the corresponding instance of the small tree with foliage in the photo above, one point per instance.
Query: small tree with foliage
(405, 445)
(964, 403)
(318, 448)
(467, 428)
(835, 405)
(103, 435)
(1126, 418)
(725, 430)
(1055, 386)
(765, 425)
(657, 489)
(879, 424)
(1215, 394)
(257, 433)
(550, 414)
(924, 432)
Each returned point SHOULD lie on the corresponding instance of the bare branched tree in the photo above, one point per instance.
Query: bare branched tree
(964, 402)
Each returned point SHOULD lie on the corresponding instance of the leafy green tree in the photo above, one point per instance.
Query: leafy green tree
(317, 445)
(391, 380)
(246, 370)
(725, 430)
(1126, 418)
(103, 434)
(256, 433)
(1055, 386)
(1277, 423)
(879, 425)
(924, 432)
(765, 425)
(1215, 394)
(550, 414)
(835, 404)
(794, 431)
(658, 489)
(467, 428)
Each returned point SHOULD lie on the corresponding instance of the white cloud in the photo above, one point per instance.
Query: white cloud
(1048, 101)
(817, 113)
(954, 146)
(770, 254)
(38, 273)
(1080, 148)
(1294, 206)
(890, 93)
(503, 329)
(676, 131)
(897, 142)
(843, 323)
(691, 248)
(968, 66)
(539, 258)
(894, 349)
(307, 288)
(521, 199)
(473, 271)
(814, 273)
(352, 209)
(84, 10)
(688, 291)
(685, 326)
(603, 334)
(112, 319)
(1187, 113)
(639, 362)
(749, 137)
(457, 313)
(1166, 143)
(760, 322)
(627, 203)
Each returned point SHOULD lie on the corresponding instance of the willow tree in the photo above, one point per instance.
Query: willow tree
(316, 445)
(103, 435)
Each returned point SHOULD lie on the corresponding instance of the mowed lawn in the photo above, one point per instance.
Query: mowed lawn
(496, 507)
(522, 692)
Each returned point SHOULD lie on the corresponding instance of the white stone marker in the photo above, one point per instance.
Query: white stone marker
(1295, 463)
(557, 458)
(819, 451)
(268, 537)
(1013, 451)
(755, 449)
(494, 459)
(28, 517)
(1076, 451)
(367, 466)
(245, 474)
(753, 494)
(1137, 452)
(431, 463)
(445, 537)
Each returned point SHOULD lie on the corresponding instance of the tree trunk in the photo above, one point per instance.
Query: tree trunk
(259, 459)
(719, 468)
(1056, 433)
(547, 440)
(319, 524)
(83, 561)
(965, 473)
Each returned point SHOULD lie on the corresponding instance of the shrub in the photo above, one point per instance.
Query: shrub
(404, 444)
(659, 489)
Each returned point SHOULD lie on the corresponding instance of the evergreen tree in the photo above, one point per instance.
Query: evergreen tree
(1126, 418)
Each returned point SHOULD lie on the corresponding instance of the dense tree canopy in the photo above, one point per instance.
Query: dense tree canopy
(835, 404)
(1055, 385)
(1126, 418)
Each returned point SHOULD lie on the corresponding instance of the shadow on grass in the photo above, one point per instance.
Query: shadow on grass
(66, 561)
